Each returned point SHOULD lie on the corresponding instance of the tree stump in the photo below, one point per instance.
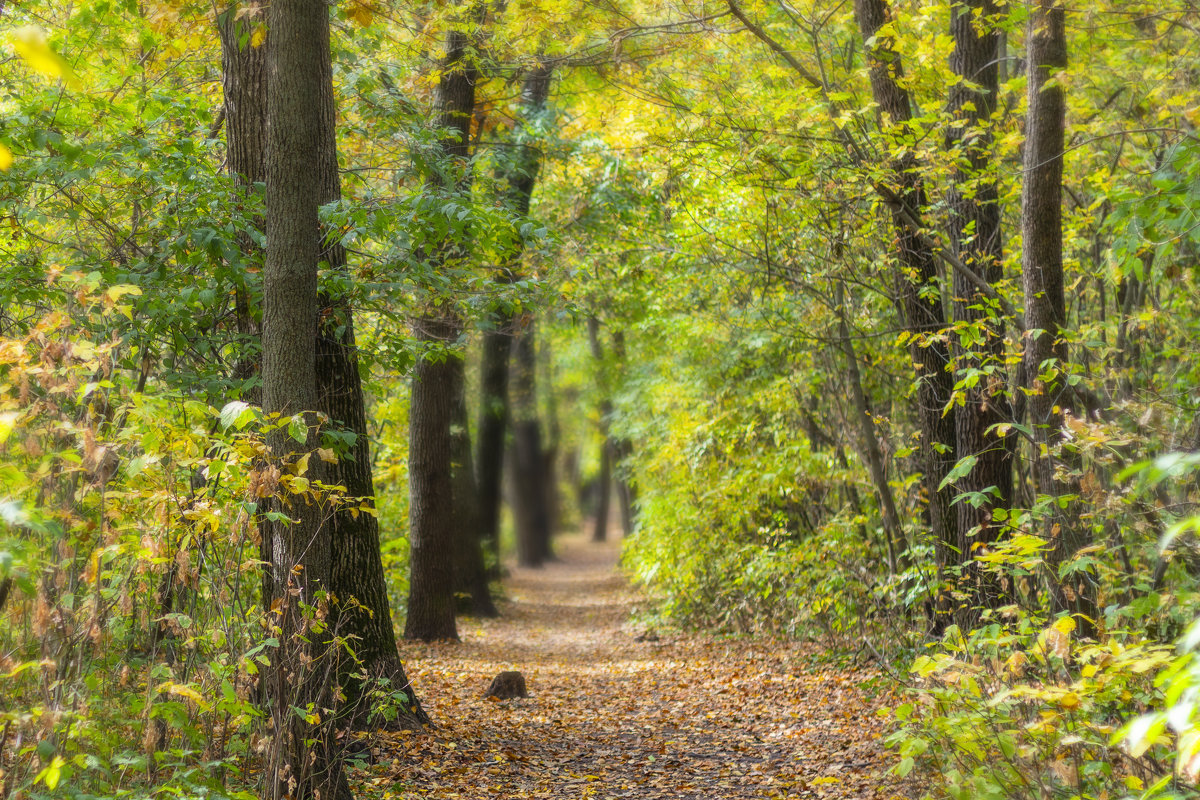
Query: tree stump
(507, 685)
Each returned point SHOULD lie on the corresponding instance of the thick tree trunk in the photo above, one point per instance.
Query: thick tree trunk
(470, 576)
(431, 506)
(529, 486)
(976, 238)
(1045, 308)
(921, 299)
(303, 761)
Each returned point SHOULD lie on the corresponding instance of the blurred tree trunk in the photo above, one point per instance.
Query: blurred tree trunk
(529, 476)
(431, 506)
(520, 174)
(470, 576)
(607, 445)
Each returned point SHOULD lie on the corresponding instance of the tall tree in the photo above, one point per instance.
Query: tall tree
(303, 761)
(519, 173)
(526, 457)
(977, 241)
(431, 507)
(470, 573)
(607, 445)
(917, 284)
(1046, 357)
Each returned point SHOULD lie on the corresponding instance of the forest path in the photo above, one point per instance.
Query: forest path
(610, 717)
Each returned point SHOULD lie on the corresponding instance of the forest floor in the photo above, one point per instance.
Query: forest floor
(670, 716)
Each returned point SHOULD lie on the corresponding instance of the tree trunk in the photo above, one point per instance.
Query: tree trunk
(892, 532)
(521, 176)
(1045, 309)
(529, 487)
(622, 454)
(976, 239)
(304, 760)
(607, 445)
(920, 295)
(244, 81)
(470, 576)
(431, 506)
(493, 425)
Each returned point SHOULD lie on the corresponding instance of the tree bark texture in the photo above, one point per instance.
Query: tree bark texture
(975, 232)
(244, 81)
(917, 284)
(304, 760)
(431, 506)
(1045, 308)
(521, 177)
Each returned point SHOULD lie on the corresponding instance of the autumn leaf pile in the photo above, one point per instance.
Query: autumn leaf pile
(617, 711)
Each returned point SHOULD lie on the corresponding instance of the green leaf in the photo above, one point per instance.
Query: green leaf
(298, 428)
(961, 470)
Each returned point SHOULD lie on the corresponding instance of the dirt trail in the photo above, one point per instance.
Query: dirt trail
(611, 717)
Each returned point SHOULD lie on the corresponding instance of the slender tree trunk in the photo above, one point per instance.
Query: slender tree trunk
(470, 576)
(303, 761)
(892, 532)
(621, 458)
(529, 486)
(494, 416)
(431, 491)
(1045, 308)
(921, 299)
(607, 446)
(976, 238)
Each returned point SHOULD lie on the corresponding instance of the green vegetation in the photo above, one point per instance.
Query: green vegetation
(875, 323)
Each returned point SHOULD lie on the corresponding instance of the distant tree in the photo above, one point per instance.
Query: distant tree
(436, 379)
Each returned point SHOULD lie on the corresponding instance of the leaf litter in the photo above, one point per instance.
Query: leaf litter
(615, 712)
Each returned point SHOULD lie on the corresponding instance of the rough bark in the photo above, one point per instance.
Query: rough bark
(918, 288)
(244, 81)
(431, 491)
(975, 231)
(1045, 308)
(303, 760)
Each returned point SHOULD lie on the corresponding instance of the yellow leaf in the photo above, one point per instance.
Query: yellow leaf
(6, 159)
(258, 37)
(185, 691)
(30, 44)
(327, 455)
